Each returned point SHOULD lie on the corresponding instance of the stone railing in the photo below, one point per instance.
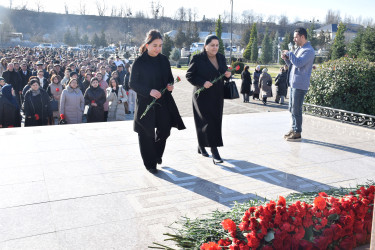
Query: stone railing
(363, 120)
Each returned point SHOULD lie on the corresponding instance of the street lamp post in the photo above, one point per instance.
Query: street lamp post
(231, 40)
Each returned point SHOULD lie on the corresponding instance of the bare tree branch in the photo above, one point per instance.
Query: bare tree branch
(101, 8)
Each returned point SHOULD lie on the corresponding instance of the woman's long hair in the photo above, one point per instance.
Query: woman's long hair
(150, 37)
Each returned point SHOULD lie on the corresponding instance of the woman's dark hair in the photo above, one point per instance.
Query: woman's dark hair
(150, 37)
(53, 77)
(246, 68)
(32, 81)
(94, 79)
(209, 38)
(110, 82)
(301, 31)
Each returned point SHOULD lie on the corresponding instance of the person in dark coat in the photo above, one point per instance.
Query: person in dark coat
(208, 105)
(256, 76)
(246, 83)
(36, 105)
(281, 85)
(13, 78)
(95, 97)
(25, 74)
(85, 83)
(9, 108)
(151, 72)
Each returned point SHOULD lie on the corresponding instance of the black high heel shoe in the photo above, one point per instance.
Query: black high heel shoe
(215, 155)
(202, 150)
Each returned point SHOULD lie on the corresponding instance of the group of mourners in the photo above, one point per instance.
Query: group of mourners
(260, 87)
(49, 87)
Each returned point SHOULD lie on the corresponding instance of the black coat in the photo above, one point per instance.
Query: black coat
(142, 81)
(246, 82)
(281, 84)
(95, 114)
(9, 113)
(84, 85)
(40, 105)
(24, 78)
(208, 106)
(13, 78)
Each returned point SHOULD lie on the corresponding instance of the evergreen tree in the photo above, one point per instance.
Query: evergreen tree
(180, 38)
(175, 55)
(284, 46)
(266, 56)
(167, 45)
(254, 51)
(338, 47)
(245, 37)
(195, 37)
(249, 49)
(311, 35)
(275, 48)
(76, 37)
(355, 47)
(68, 38)
(85, 39)
(368, 44)
(189, 35)
(322, 39)
(219, 30)
(102, 40)
(95, 40)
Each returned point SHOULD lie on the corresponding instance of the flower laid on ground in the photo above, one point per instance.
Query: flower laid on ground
(331, 223)
(178, 79)
(339, 218)
(62, 116)
(218, 78)
(36, 117)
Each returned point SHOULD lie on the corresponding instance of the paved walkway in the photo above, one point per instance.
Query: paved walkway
(84, 186)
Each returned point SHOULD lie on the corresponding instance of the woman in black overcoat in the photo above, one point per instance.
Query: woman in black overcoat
(208, 105)
(256, 76)
(281, 85)
(151, 72)
(95, 98)
(9, 109)
(246, 83)
(36, 105)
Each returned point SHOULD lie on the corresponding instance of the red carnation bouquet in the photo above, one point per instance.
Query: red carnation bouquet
(230, 69)
(178, 79)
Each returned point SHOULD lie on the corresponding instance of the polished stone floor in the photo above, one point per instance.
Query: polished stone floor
(84, 186)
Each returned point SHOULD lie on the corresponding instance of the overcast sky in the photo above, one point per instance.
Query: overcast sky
(293, 9)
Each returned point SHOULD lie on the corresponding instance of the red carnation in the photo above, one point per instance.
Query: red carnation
(320, 202)
(281, 201)
(62, 116)
(127, 92)
(93, 101)
(36, 117)
(10, 126)
(210, 246)
(229, 225)
(178, 79)
(238, 67)
(57, 89)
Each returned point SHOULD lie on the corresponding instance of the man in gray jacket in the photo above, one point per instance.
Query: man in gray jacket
(300, 66)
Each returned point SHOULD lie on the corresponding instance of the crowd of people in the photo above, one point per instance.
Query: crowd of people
(53, 86)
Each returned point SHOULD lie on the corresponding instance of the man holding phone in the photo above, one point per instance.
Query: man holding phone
(300, 65)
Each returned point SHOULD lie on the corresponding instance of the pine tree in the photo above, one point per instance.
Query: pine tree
(338, 47)
(254, 51)
(76, 37)
(284, 46)
(95, 40)
(102, 40)
(219, 30)
(266, 56)
(311, 35)
(167, 45)
(180, 38)
(355, 47)
(368, 44)
(85, 39)
(249, 49)
(189, 35)
(68, 38)
(245, 37)
(195, 37)
(275, 48)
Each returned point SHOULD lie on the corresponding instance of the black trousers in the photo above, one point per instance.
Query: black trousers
(152, 148)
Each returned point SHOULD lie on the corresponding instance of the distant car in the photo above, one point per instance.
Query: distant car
(234, 48)
(196, 47)
(64, 46)
(74, 49)
(109, 50)
(45, 46)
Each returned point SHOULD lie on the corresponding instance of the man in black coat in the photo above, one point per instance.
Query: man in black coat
(13, 78)
(25, 74)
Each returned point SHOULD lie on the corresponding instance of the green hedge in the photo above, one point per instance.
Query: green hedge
(346, 83)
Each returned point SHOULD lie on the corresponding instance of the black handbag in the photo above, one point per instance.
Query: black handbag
(230, 90)
(53, 105)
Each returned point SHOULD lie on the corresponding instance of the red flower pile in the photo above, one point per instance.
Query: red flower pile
(330, 223)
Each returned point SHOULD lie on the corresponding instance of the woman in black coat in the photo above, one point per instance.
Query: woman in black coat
(208, 105)
(9, 109)
(36, 105)
(246, 83)
(256, 76)
(151, 72)
(95, 98)
(281, 85)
